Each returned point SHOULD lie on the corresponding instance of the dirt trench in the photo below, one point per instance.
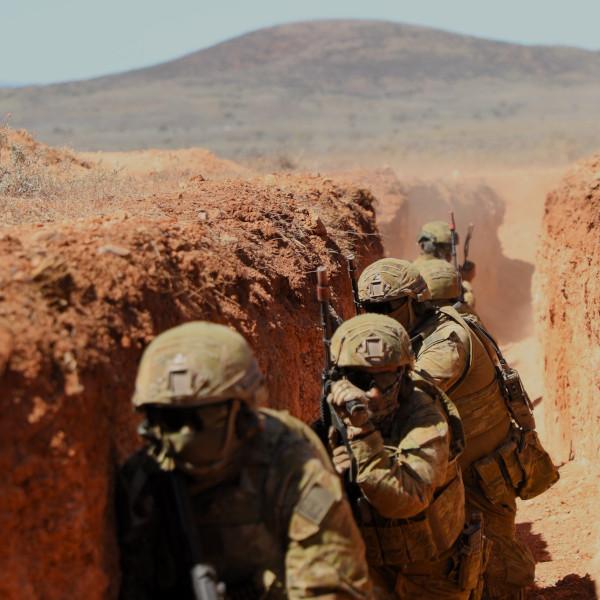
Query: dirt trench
(567, 292)
(79, 300)
(89, 277)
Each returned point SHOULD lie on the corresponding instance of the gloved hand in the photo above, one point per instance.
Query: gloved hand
(356, 418)
(342, 461)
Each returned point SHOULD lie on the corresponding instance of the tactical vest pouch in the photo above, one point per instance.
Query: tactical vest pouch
(490, 478)
(395, 542)
(473, 550)
(512, 467)
(539, 471)
(516, 397)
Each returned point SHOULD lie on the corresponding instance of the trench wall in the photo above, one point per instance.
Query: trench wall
(567, 294)
(80, 300)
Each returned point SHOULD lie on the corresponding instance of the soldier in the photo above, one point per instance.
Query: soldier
(435, 242)
(455, 358)
(257, 505)
(410, 498)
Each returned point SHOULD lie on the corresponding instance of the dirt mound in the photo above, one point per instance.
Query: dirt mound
(190, 162)
(20, 145)
(79, 301)
(39, 184)
(567, 296)
(567, 288)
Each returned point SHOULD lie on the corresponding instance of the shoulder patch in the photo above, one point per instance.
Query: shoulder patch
(316, 504)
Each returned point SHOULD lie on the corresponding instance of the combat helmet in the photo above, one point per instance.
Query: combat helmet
(390, 279)
(195, 364)
(442, 279)
(371, 340)
(199, 385)
(435, 238)
(436, 231)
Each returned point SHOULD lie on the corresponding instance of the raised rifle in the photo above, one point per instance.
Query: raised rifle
(467, 244)
(328, 415)
(350, 261)
(454, 244)
(205, 584)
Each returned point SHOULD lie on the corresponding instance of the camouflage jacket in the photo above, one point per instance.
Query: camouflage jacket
(282, 529)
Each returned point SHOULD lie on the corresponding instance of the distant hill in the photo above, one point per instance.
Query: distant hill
(347, 88)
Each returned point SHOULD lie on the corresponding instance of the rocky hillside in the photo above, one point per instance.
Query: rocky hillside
(341, 88)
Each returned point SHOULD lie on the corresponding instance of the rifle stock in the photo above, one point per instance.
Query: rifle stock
(205, 584)
(350, 261)
(328, 415)
(454, 243)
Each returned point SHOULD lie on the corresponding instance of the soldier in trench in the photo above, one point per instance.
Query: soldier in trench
(246, 496)
(408, 496)
(435, 242)
(450, 354)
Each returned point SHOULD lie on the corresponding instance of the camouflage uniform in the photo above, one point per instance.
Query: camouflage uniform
(408, 496)
(435, 242)
(449, 353)
(268, 509)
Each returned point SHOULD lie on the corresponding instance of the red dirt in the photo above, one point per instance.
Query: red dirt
(78, 302)
(568, 289)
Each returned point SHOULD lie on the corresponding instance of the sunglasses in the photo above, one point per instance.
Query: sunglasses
(174, 419)
(366, 381)
(384, 308)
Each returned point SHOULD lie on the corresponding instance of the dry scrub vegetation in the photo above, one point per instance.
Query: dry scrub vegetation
(40, 184)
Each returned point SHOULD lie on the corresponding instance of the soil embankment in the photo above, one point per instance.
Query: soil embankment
(79, 299)
(567, 300)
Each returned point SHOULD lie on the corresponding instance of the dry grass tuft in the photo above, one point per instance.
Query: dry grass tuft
(36, 189)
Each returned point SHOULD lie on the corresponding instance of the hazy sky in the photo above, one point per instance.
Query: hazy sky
(56, 40)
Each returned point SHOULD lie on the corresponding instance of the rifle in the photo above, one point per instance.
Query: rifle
(328, 415)
(454, 243)
(467, 243)
(205, 585)
(350, 258)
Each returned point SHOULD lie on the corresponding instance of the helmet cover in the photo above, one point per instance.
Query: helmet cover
(198, 363)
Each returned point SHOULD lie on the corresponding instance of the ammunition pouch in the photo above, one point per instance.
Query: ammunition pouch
(520, 464)
(539, 471)
(473, 554)
(396, 542)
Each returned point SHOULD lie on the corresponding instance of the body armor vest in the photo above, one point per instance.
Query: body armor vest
(476, 393)
(428, 535)
(242, 535)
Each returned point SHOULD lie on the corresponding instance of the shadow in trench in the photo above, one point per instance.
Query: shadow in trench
(571, 587)
(502, 285)
(535, 541)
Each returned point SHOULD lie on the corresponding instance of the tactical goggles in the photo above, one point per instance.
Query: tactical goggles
(171, 419)
(365, 380)
(384, 308)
